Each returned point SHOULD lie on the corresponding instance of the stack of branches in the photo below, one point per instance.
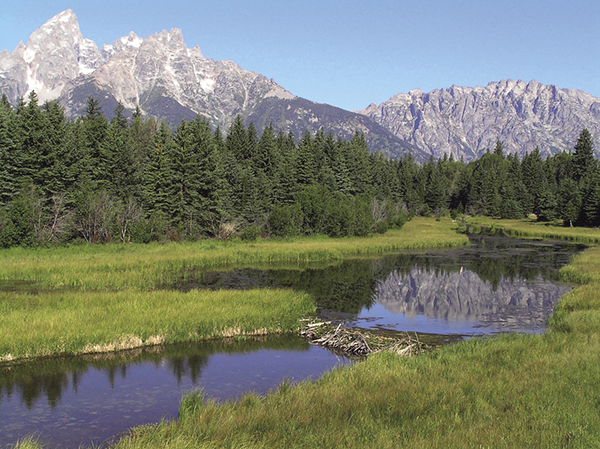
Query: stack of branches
(358, 342)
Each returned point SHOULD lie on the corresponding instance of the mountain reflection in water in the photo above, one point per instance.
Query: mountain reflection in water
(517, 304)
(496, 284)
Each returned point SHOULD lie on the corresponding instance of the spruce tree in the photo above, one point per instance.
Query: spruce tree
(584, 163)
(94, 129)
(307, 168)
(185, 180)
(157, 175)
(9, 154)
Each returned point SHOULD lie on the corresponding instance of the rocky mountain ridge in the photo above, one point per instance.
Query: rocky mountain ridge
(170, 81)
(465, 121)
(464, 296)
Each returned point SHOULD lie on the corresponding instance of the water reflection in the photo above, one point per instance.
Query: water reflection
(463, 298)
(496, 284)
(86, 400)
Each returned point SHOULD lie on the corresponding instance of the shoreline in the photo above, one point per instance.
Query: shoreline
(65, 318)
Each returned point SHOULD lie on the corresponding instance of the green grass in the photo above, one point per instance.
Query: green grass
(28, 443)
(72, 322)
(528, 228)
(156, 266)
(525, 391)
(81, 299)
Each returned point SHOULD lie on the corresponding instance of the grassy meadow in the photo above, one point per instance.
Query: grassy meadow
(72, 322)
(528, 228)
(157, 266)
(509, 391)
(80, 299)
(515, 390)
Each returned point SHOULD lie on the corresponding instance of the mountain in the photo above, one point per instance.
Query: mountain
(55, 54)
(168, 80)
(465, 122)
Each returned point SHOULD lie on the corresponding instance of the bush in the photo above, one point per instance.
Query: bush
(400, 220)
(363, 218)
(285, 221)
(381, 227)
(339, 221)
(250, 233)
(313, 202)
(148, 230)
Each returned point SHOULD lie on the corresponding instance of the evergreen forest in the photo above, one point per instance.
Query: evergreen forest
(136, 180)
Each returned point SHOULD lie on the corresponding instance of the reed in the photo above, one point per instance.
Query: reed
(528, 228)
(28, 443)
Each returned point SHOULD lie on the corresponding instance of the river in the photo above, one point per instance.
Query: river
(494, 285)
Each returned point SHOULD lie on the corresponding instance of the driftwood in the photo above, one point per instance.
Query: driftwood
(359, 342)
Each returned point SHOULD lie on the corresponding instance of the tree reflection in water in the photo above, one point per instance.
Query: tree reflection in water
(470, 283)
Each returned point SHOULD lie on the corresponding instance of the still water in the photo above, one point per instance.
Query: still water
(89, 400)
(494, 285)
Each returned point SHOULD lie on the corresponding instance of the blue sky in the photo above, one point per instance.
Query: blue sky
(351, 53)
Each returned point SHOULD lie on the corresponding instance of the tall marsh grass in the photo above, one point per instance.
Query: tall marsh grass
(74, 322)
(156, 266)
(527, 228)
(104, 298)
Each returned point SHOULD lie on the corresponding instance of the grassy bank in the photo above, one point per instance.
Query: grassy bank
(75, 322)
(155, 266)
(104, 298)
(528, 228)
(510, 391)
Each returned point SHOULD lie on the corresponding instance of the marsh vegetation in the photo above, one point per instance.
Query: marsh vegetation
(512, 390)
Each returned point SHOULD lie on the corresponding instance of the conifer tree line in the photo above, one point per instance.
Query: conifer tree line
(137, 180)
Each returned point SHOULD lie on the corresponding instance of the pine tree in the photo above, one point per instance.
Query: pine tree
(307, 165)
(119, 171)
(185, 180)
(435, 195)
(237, 141)
(568, 201)
(157, 175)
(56, 175)
(226, 170)
(34, 147)
(590, 204)
(358, 163)
(207, 211)
(9, 155)
(584, 163)
(94, 129)
(337, 154)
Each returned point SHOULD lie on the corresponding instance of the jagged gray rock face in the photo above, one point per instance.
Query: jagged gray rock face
(156, 73)
(465, 121)
(55, 54)
(464, 296)
(168, 80)
(161, 72)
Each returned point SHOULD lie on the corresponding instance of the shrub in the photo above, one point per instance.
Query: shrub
(381, 227)
(250, 233)
(285, 221)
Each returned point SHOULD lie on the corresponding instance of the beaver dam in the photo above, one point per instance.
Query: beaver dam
(359, 342)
